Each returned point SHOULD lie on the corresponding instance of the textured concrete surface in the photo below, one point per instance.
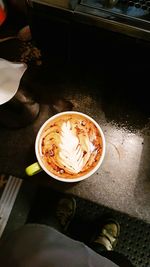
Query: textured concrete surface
(111, 96)
(123, 180)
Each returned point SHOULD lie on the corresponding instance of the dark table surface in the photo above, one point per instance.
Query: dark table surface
(108, 94)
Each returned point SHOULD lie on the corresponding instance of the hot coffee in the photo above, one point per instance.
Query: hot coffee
(70, 145)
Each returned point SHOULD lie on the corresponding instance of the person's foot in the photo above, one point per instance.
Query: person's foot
(65, 212)
(108, 235)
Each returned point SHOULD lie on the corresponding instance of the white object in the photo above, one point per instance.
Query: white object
(10, 76)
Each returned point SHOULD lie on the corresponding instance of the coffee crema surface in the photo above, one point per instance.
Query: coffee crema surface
(70, 146)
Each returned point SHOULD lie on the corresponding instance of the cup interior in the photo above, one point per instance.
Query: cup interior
(70, 179)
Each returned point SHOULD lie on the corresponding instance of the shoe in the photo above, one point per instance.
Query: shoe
(65, 212)
(108, 236)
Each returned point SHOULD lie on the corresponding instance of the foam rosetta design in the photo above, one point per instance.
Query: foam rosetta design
(72, 151)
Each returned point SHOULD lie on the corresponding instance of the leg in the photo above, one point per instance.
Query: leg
(42, 246)
(107, 236)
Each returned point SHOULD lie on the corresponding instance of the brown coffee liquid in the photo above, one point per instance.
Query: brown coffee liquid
(70, 146)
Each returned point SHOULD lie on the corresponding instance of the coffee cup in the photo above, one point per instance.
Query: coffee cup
(70, 147)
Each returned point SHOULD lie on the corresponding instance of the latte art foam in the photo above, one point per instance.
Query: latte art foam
(70, 146)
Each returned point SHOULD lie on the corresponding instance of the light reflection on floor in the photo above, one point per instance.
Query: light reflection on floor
(116, 184)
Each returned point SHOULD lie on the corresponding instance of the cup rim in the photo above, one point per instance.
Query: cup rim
(70, 180)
